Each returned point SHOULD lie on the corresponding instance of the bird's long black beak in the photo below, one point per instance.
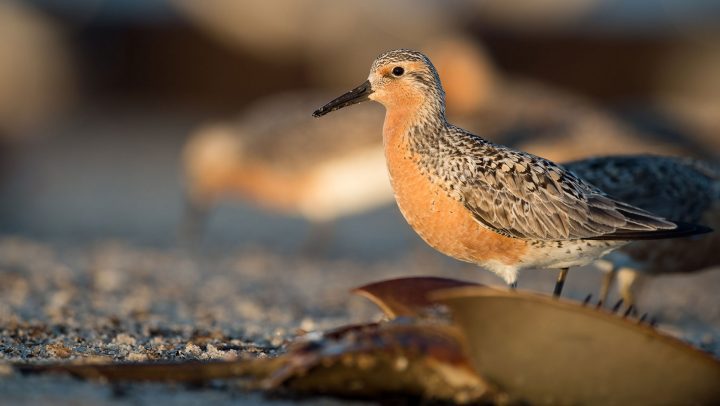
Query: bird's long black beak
(357, 95)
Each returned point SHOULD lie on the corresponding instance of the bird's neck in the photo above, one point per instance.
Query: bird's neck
(411, 124)
(410, 137)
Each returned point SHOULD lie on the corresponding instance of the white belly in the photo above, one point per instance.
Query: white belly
(567, 254)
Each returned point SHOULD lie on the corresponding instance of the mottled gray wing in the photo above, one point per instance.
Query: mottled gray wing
(523, 196)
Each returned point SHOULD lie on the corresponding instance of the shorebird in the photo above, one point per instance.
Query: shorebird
(280, 159)
(683, 189)
(484, 203)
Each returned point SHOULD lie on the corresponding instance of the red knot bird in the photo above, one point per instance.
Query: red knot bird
(484, 203)
(280, 159)
(682, 189)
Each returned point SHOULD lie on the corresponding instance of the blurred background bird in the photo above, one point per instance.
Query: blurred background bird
(684, 189)
(36, 70)
(289, 164)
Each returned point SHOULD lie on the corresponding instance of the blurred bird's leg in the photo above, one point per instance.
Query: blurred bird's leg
(609, 271)
(560, 282)
(317, 243)
(629, 282)
(194, 222)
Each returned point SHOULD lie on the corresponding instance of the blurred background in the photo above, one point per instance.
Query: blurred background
(134, 119)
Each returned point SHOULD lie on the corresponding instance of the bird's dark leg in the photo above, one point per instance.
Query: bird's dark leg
(513, 285)
(560, 282)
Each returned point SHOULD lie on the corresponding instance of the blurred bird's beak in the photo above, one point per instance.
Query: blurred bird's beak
(357, 95)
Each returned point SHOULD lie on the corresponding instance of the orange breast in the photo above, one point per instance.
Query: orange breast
(440, 220)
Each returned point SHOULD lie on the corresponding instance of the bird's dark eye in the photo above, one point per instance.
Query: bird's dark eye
(398, 71)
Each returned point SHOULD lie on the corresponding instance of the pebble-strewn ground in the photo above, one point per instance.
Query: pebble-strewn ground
(115, 301)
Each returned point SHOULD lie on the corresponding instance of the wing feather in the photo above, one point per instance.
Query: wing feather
(523, 196)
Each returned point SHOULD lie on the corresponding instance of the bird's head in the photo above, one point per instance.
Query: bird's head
(397, 78)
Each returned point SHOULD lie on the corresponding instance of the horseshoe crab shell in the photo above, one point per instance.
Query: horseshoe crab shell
(548, 351)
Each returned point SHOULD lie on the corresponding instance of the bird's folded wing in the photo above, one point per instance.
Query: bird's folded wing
(530, 198)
